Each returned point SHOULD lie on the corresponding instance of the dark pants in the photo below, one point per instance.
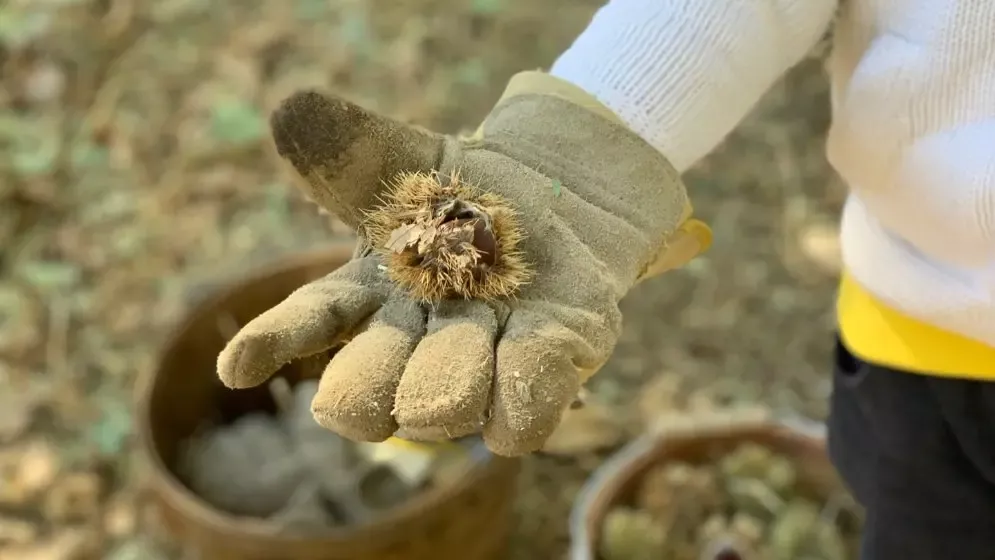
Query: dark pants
(919, 453)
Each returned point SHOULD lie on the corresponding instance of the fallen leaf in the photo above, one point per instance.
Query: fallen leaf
(585, 430)
(821, 244)
(68, 544)
(120, 517)
(486, 7)
(403, 237)
(137, 549)
(50, 276)
(16, 412)
(659, 397)
(426, 238)
(471, 72)
(628, 534)
(26, 470)
(16, 531)
(110, 434)
(45, 83)
(74, 497)
(236, 121)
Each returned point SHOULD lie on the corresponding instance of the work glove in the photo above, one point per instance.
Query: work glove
(598, 210)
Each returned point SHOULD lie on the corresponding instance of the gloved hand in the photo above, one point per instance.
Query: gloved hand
(600, 209)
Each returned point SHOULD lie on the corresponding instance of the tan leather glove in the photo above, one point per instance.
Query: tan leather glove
(600, 210)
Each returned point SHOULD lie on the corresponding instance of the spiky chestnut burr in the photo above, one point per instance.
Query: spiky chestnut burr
(442, 238)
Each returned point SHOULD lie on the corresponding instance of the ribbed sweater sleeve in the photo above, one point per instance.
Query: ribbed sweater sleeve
(683, 73)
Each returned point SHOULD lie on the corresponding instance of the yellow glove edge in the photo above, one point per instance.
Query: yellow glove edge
(428, 447)
(692, 238)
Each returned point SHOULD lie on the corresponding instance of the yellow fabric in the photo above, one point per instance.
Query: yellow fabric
(691, 239)
(880, 334)
(428, 447)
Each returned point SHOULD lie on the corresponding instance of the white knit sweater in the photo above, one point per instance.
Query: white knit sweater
(913, 133)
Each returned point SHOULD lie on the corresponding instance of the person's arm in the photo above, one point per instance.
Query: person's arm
(683, 73)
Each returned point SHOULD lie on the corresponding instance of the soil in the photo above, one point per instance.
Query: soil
(136, 173)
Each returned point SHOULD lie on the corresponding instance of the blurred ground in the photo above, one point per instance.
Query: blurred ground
(136, 169)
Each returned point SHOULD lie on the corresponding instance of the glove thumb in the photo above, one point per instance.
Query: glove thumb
(344, 153)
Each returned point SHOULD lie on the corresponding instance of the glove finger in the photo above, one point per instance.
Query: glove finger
(446, 385)
(345, 153)
(355, 396)
(310, 320)
(535, 381)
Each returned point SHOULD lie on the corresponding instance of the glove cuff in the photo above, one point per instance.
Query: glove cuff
(536, 82)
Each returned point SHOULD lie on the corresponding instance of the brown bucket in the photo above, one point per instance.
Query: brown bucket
(617, 478)
(467, 519)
